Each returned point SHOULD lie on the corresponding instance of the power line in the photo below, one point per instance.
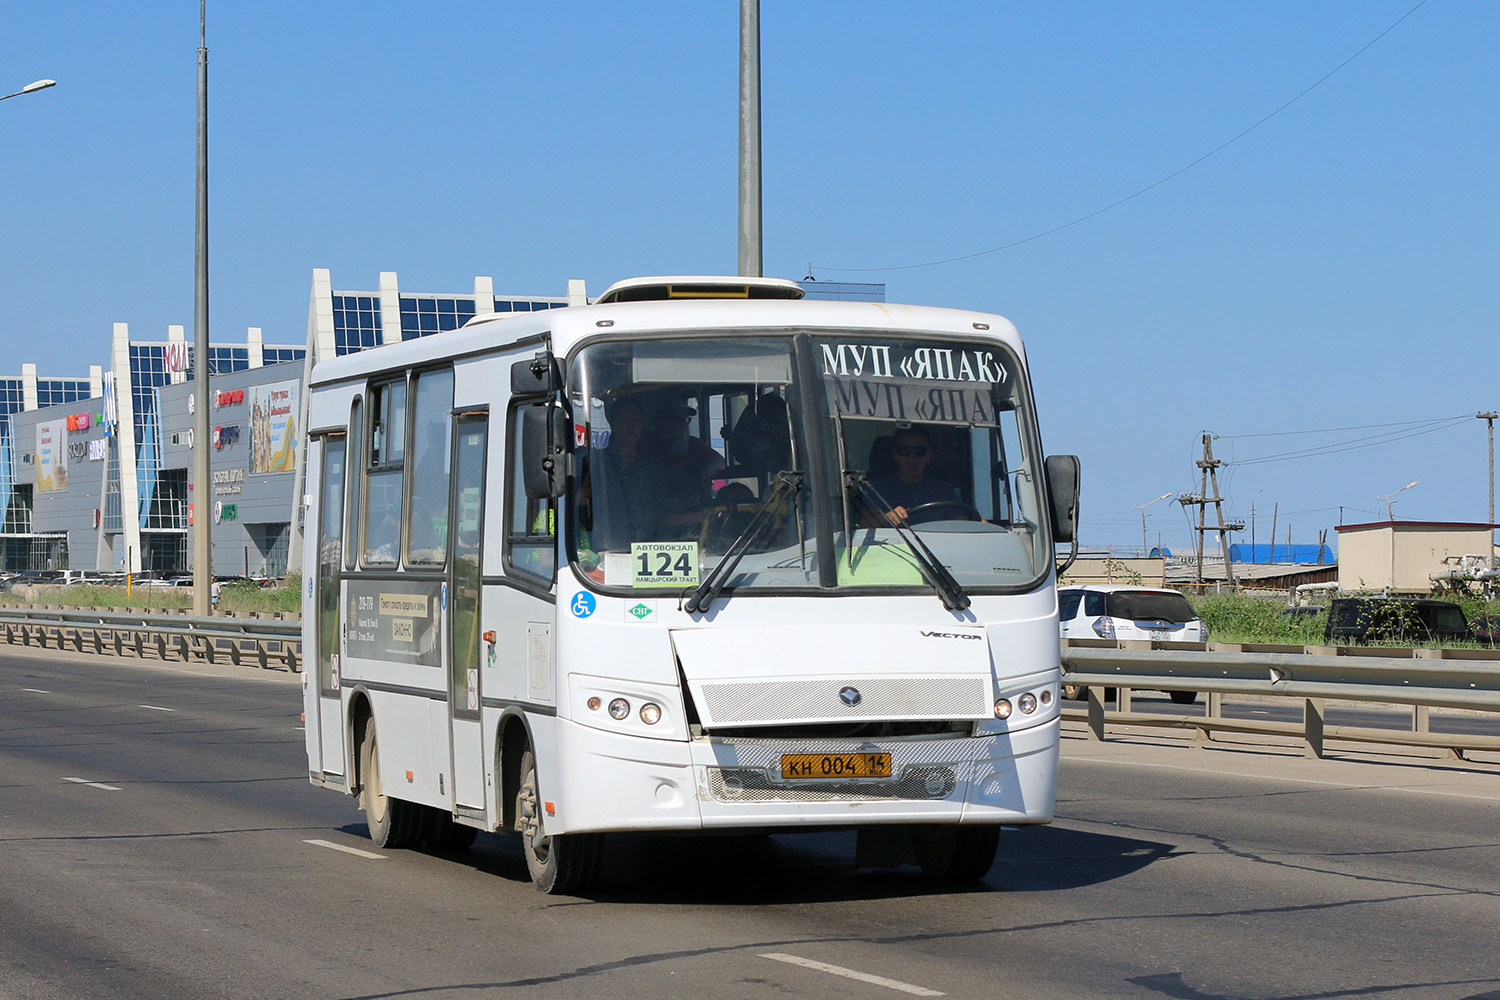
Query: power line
(1340, 430)
(1149, 187)
(1343, 446)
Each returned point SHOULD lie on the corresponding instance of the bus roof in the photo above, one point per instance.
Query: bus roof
(623, 319)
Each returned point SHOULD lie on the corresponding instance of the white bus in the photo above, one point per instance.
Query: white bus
(696, 557)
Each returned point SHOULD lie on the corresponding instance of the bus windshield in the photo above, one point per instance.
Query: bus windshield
(703, 453)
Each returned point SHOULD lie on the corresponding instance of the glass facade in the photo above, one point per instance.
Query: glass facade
(281, 355)
(424, 315)
(356, 323)
(508, 305)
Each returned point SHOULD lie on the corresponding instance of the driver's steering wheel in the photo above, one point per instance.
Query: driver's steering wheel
(967, 508)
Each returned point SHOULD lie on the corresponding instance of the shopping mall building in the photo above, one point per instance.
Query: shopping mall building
(96, 472)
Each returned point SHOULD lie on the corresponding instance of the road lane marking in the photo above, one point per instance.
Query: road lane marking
(347, 850)
(35, 691)
(157, 708)
(94, 784)
(864, 977)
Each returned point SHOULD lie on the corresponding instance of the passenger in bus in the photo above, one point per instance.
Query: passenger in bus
(688, 465)
(909, 485)
(628, 480)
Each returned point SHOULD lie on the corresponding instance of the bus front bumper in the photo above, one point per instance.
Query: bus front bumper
(624, 783)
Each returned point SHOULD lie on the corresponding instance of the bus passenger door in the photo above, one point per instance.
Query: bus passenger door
(330, 555)
(466, 644)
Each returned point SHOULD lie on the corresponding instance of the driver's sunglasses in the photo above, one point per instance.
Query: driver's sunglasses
(918, 450)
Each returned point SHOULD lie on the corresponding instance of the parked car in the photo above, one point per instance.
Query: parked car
(1486, 629)
(1411, 620)
(1121, 611)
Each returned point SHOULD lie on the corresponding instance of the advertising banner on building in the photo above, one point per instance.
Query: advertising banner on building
(51, 456)
(273, 427)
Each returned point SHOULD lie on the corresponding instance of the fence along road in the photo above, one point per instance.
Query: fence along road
(180, 854)
(1422, 679)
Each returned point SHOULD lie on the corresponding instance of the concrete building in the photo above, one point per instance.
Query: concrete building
(1398, 556)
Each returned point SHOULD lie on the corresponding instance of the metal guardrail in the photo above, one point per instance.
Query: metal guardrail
(258, 641)
(1421, 678)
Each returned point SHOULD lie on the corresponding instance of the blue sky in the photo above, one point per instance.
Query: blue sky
(1334, 268)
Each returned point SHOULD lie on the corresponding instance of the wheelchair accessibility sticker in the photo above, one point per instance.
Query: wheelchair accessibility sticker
(583, 604)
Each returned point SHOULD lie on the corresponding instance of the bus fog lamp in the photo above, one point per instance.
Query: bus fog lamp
(1002, 708)
(650, 713)
(619, 709)
(594, 703)
(1027, 703)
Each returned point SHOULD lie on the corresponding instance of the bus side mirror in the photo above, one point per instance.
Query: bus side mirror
(538, 376)
(1062, 494)
(545, 435)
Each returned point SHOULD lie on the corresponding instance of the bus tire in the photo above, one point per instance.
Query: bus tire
(441, 833)
(956, 853)
(1183, 697)
(394, 823)
(561, 865)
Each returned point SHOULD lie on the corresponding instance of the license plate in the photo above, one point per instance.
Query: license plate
(1160, 634)
(835, 765)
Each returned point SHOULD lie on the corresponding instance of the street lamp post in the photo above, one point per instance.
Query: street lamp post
(1389, 499)
(1142, 508)
(202, 491)
(750, 257)
(31, 88)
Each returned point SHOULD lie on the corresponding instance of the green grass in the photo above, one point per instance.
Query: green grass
(1235, 618)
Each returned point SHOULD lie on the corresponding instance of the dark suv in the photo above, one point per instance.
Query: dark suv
(1394, 619)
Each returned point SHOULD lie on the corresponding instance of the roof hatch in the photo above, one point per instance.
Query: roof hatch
(699, 287)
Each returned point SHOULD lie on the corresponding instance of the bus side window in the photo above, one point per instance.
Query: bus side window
(432, 432)
(530, 525)
(352, 504)
(382, 482)
(1067, 604)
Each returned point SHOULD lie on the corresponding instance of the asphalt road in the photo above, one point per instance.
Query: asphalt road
(155, 819)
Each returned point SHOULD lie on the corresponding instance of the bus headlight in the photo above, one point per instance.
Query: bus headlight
(619, 709)
(1002, 708)
(1027, 703)
(650, 713)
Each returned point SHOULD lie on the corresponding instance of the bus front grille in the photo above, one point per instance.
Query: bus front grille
(746, 784)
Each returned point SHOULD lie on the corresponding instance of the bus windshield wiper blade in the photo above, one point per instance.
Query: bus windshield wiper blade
(948, 589)
(703, 596)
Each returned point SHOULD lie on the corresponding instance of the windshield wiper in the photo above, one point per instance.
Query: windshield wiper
(948, 589)
(703, 596)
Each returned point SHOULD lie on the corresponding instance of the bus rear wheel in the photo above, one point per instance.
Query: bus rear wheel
(563, 864)
(394, 823)
(956, 853)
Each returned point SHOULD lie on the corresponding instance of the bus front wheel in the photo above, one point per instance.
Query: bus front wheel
(394, 823)
(563, 864)
(956, 853)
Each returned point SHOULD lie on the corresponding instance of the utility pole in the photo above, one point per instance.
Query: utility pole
(1275, 511)
(1209, 468)
(1489, 418)
(202, 491)
(750, 257)
(1142, 508)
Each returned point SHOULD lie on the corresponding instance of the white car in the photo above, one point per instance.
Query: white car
(1122, 611)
